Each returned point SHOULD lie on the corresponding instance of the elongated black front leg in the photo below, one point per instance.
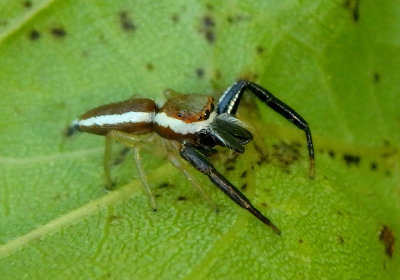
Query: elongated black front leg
(229, 103)
(198, 160)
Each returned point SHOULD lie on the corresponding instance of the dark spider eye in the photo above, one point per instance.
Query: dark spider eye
(179, 114)
(207, 114)
(199, 118)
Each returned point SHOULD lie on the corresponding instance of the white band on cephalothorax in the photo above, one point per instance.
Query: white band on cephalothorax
(128, 117)
(182, 127)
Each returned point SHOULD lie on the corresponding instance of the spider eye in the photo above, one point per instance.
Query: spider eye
(207, 114)
(199, 118)
(179, 115)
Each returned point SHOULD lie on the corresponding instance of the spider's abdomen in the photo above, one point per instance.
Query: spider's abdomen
(180, 118)
(135, 116)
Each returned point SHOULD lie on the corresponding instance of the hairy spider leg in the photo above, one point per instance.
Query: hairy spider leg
(131, 141)
(229, 103)
(198, 160)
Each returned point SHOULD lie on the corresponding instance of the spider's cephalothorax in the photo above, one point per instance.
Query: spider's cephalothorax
(196, 123)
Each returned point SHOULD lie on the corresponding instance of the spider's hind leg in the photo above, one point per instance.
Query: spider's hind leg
(230, 100)
(131, 141)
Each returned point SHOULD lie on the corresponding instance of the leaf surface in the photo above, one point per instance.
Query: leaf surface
(336, 63)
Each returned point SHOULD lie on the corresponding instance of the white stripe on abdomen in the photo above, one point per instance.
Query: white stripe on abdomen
(128, 117)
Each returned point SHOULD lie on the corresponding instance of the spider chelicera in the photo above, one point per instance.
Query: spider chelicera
(195, 127)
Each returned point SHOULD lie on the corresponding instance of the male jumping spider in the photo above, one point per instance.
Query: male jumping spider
(194, 124)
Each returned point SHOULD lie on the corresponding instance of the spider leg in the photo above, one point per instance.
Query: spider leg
(177, 163)
(198, 160)
(229, 103)
(133, 142)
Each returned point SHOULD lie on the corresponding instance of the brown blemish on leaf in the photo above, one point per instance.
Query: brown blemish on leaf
(34, 35)
(58, 32)
(149, 67)
(331, 153)
(200, 72)
(374, 166)
(27, 4)
(300, 241)
(235, 18)
(260, 50)
(353, 7)
(340, 239)
(243, 187)
(263, 157)
(175, 18)
(244, 174)
(164, 185)
(217, 74)
(285, 154)
(377, 78)
(210, 7)
(386, 236)
(181, 198)
(264, 204)
(208, 26)
(351, 159)
(126, 22)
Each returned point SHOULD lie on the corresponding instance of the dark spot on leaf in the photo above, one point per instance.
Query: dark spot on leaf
(126, 22)
(210, 7)
(149, 67)
(300, 240)
(285, 154)
(340, 239)
(208, 25)
(263, 157)
(386, 236)
(374, 165)
(58, 32)
(181, 198)
(377, 77)
(264, 204)
(217, 74)
(260, 50)
(200, 72)
(3, 23)
(339, 213)
(34, 35)
(351, 159)
(230, 168)
(353, 7)
(388, 173)
(386, 143)
(175, 18)
(208, 21)
(331, 153)
(235, 18)
(243, 187)
(244, 174)
(157, 195)
(210, 36)
(164, 185)
(27, 4)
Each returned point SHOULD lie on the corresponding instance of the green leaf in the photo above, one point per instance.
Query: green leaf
(335, 62)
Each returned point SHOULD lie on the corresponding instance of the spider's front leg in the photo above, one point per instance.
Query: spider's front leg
(229, 103)
(198, 160)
